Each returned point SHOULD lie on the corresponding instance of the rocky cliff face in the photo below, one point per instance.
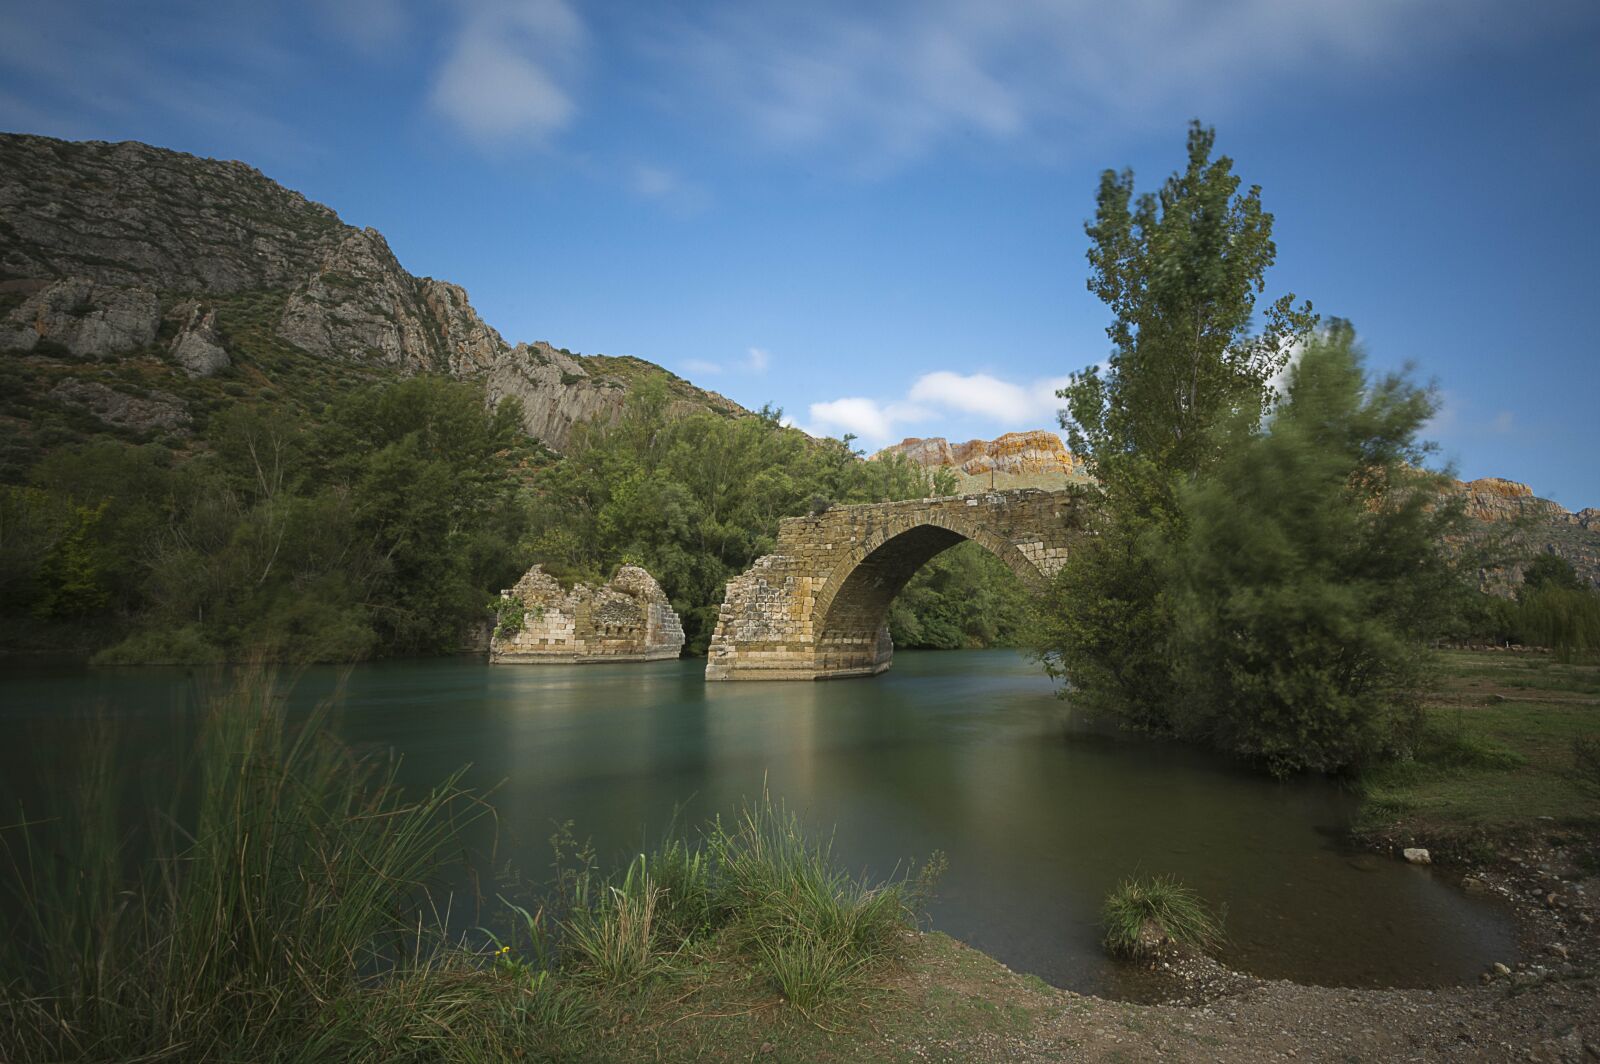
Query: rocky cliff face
(125, 253)
(1535, 526)
(1033, 459)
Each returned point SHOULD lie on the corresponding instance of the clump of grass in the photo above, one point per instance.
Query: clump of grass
(756, 890)
(811, 928)
(1141, 915)
(614, 935)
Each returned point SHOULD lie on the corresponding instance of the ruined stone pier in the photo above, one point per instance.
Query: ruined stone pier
(816, 608)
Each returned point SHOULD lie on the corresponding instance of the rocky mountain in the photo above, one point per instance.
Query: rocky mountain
(1535, 525)
(1037, 459)
(139, 287)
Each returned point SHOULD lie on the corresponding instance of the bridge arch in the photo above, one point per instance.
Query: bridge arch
(816, 608)
(852, 608)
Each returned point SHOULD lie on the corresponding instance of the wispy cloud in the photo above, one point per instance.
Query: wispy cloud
(874, 86)
(755, 361)
(670, 189)
(1459, 420)
(506, 79)
(79, 69)
(373, 26)
(866, 419)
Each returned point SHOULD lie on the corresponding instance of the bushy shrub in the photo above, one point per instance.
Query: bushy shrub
(1313, 578)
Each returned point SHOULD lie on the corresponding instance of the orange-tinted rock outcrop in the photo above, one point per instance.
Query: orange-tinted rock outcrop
(1035, 458)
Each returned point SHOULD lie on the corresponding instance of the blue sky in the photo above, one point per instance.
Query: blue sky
(872, 215)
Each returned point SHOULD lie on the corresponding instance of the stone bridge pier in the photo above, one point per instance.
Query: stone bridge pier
(817, 607)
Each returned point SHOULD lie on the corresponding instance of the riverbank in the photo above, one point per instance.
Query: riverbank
(948, 1002)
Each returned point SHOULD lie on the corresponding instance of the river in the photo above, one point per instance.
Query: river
(968, 752)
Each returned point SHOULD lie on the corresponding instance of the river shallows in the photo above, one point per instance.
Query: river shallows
(969, 753)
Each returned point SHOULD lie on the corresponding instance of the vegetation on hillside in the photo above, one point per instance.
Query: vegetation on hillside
(375, 528)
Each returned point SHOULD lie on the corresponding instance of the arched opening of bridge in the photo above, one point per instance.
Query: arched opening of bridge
(853, 635)
(964, 598)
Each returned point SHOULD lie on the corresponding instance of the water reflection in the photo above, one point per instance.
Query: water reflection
(969, 753)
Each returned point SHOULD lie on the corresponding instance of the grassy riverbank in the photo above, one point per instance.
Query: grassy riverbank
(1500, 763)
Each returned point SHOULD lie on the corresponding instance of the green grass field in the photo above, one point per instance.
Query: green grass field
(1498, 760)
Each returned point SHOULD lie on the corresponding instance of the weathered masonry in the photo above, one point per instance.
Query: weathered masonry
(817, 607)
(628, 619)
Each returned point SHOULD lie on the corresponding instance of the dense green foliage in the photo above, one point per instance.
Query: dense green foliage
(287, 905)
(377, 527)
(1269, 592)
(694, 500)
(964, 598)
(1181, 270)
(1310, 581)
(1563, 619)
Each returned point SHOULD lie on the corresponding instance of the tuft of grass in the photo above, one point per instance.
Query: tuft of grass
(1142, 914)
(810, 927)
(614, 936)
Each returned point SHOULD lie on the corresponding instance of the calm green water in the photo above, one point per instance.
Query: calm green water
(966, 752)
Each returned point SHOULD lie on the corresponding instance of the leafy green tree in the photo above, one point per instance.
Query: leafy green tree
(1313, 575)
(1181, 270)
(965, 597)
(1550, 571)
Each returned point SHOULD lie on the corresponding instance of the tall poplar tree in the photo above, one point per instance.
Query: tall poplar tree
(1182, 270)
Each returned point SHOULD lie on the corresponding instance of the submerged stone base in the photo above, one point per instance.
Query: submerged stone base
(628, 619)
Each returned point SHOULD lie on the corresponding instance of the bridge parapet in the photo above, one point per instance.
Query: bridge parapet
(816, 607)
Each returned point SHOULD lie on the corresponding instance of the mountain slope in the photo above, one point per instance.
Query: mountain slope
(141, 288)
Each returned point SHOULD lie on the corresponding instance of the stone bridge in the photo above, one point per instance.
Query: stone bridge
(817, 607)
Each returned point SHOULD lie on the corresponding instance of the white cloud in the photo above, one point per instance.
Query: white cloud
(670, 189)
(700, 365)
(939, 397)
(507, 74)
(757, 359)
(990, 397)
(871, 421)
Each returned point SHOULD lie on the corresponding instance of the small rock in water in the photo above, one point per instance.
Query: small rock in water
(1501, 969)
(1473, 885)
(1416, 855)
